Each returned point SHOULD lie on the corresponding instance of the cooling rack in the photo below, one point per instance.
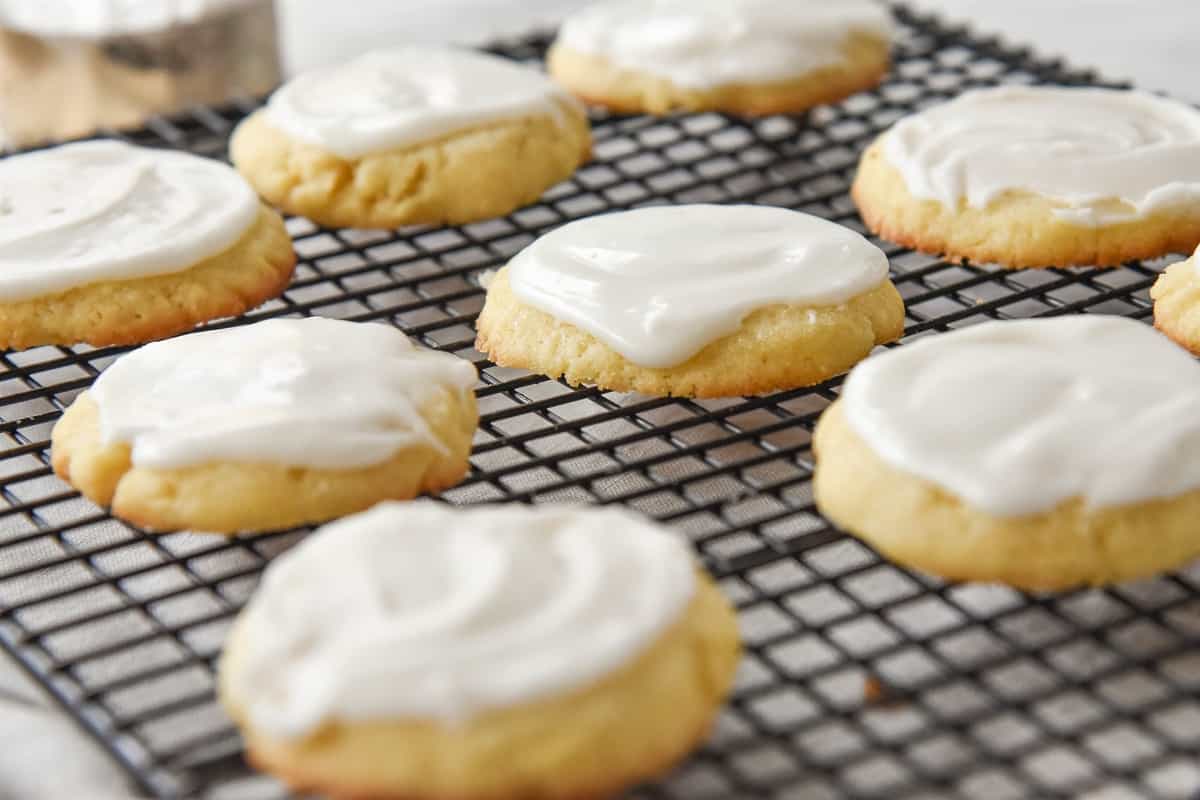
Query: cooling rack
(861, 680)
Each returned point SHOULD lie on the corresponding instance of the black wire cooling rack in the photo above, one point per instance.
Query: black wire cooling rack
(861, 679)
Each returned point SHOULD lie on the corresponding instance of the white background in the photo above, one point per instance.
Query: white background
(1154, 43)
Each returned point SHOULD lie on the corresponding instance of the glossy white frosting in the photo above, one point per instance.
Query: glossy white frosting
(101, 211)
(406, 95)
(91, 19)
(707, 43)
(425, 611)
(1083, 148)
(1018, 417)
(659, 284)
(316, 392)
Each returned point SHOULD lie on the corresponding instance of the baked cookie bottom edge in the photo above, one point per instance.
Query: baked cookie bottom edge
(778, 347)
(915, 523)
(472, 175)
(630, 726)
(228, 497)
(255, 269)
(1017, 230)
(597, 81)
(1176, 296)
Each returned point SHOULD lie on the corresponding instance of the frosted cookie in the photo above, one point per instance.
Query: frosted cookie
(412, 135)
(1044, 454)
(106, 243)
(422, 651)
(692, 301)
(751, 57)
(268, 426)
(1038, 177)
(1176, 296)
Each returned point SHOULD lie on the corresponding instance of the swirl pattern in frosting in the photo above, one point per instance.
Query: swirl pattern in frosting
(1018, 417)
(659, 284)
(702, 44)
(406, 95)
(424, 611)
(105, 211)
(1104, 155)
(319, 393)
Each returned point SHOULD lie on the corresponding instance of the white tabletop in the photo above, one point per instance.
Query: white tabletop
(1145, 41)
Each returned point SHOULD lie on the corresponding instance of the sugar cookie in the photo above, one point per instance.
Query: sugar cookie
(109, 244)
(1176, 296)
(752, 57)
(693, 301)
(422, 651)
(1039, 177)
(1044, 454)
(268, 426)
(412, 135)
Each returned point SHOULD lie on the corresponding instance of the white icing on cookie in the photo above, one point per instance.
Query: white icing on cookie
(424, 611)
(104, 211)
(659, 284)
(407, 95)
(1105, 155)
(318, 393)
(699, 44)
(1018, 417)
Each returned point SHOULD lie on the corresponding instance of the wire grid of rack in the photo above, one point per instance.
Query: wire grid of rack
(860, 680)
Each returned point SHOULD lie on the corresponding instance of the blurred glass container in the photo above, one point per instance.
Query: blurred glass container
(71, 67)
